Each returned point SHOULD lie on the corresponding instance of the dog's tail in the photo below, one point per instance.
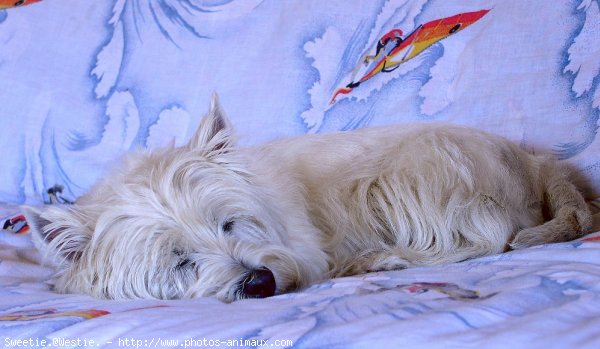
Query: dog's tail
(570, 217)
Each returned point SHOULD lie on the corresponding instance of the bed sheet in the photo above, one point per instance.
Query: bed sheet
(542, 297)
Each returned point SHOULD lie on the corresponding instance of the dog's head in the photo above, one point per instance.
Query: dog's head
(178, 222)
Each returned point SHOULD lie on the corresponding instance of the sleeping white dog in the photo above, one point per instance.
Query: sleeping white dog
(213, 219)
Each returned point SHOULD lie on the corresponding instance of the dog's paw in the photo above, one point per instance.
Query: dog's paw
(385, 261)
(379, 261)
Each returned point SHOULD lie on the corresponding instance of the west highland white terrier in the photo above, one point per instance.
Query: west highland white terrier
(214, 219)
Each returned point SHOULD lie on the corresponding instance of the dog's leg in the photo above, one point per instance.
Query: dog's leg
(570, 215)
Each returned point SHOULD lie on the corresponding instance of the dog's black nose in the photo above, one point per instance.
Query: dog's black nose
(259, 283)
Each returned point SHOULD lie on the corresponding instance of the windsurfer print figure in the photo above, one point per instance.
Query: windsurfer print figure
(393, 38)
(387, 43)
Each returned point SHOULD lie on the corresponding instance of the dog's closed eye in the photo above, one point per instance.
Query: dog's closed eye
(228, 226)
(182, 261)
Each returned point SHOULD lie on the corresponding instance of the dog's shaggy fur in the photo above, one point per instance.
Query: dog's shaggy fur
(212, 219)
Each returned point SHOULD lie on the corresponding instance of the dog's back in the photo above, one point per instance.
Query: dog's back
(430, 193)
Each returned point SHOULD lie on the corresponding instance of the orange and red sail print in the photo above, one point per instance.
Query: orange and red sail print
(393, 50)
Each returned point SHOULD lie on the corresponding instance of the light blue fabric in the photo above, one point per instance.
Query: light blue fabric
(84, 81)
(542, 297)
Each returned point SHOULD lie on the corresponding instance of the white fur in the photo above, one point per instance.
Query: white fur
(307, 208)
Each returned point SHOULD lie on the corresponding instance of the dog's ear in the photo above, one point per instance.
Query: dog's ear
(214, 133)
(59, 233)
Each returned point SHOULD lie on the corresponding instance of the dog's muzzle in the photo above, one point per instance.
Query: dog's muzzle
(259, 283)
